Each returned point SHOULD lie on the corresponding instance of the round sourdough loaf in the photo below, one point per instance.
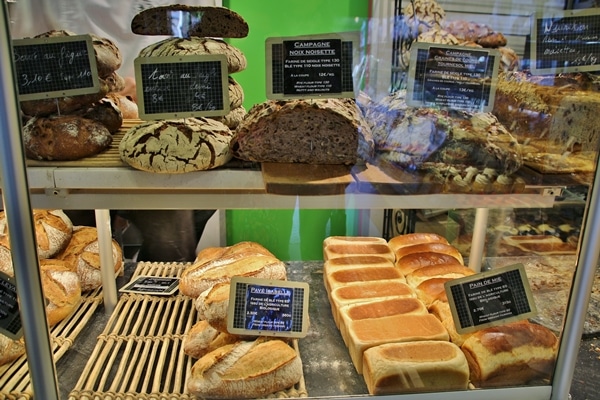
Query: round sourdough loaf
(236, 60)
(233, 118)
(321, 131)
(53, 230)
(105, 112)
(176, 146)
(62, 289)
(83, 256)
(127, 106)
(64, 138)
(246, 370)
(202, 21)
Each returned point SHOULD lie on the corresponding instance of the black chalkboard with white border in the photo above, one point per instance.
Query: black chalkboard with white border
(566, 41)
(490, 298)
(182, 86)
(55, 67)
(10, 319)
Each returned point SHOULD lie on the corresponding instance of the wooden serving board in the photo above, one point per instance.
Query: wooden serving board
(307, 179)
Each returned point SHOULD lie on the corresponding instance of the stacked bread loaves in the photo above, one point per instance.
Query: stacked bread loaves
(392, 339)
(74, 127)
(232, 366)
(191, 144)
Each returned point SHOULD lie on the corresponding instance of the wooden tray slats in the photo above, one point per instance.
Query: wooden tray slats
(139, 355)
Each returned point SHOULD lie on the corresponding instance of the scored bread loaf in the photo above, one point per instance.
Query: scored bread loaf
(419, 366)
(202, 21)
(245, 370)
(202, 338)
(318, 131)
(82, 254)
(64, 138)
(10, 349)
(236, 60)
(212, 305)
(176, 146)
(367, 333)
(415, 238)
(412, 262)
(61, 288)
(511, 354)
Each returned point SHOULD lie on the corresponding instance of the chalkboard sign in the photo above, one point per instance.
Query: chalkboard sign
(311, 66)
(268, 307)
(490, 298)
(567, 41)
(182, 86)
(456, 77)
(55, 67)
(10, 319)
(152, 285)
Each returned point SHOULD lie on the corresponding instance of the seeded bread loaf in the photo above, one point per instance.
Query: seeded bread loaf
(64, 138)
(202, 21)
(323, 131)
(176, 146)
(236, 60)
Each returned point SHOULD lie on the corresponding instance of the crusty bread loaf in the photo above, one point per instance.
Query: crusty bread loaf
(105, 111)
(126, 104)
(453, 271)
(412, 262)
(511, 354)
(378, 309)
(244, 260)
(83, 256)
(245, 370)
(61, 289)
(233, 118)
(212, 305)
(409, 239)
(202, 338)
(176, 146)
(201, 21)
(429, 248)
(321, 131)
(236, 60)
(358, 249)
(64, 138)
(343, 277)
(420, 366)
(10, 349)
(367, 333)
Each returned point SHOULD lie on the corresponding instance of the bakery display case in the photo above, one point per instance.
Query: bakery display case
(454, 115)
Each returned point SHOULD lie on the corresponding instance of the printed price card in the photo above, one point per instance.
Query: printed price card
(311, 66)
(10, 319)
(456, 77)
(55, 67)
(566, 41)
(490, 298)
(182, 86)
(153, 285)
(268, 307)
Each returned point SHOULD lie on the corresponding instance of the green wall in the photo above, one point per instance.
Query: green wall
(289, 234)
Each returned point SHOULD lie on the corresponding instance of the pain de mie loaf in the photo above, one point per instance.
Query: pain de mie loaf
(415, 278)
(414, 367)
(366, 333)
(428, 248)
(409, 239)
(512, 354)
(412, 262)
(245, 370)
(342, 277)
(441, 310)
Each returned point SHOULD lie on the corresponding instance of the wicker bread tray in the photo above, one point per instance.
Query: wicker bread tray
(139, 354)
(15, 382)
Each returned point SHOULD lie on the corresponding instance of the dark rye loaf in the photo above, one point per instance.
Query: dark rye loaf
(321, 131)
(198, 21)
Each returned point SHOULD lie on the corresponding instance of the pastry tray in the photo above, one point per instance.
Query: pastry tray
(139, 354)
(15, 382)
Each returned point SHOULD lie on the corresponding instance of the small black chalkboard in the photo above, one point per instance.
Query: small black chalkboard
(490, 298)
(182, 86)
(456, 77)
(152, 285)
(55, 67)
(10, 319)
(312, 66)
(268, 307)
(567, 41)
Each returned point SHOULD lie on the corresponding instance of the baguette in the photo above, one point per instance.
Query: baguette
(245, 370)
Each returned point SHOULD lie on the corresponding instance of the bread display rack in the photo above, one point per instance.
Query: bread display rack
(90, 186)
